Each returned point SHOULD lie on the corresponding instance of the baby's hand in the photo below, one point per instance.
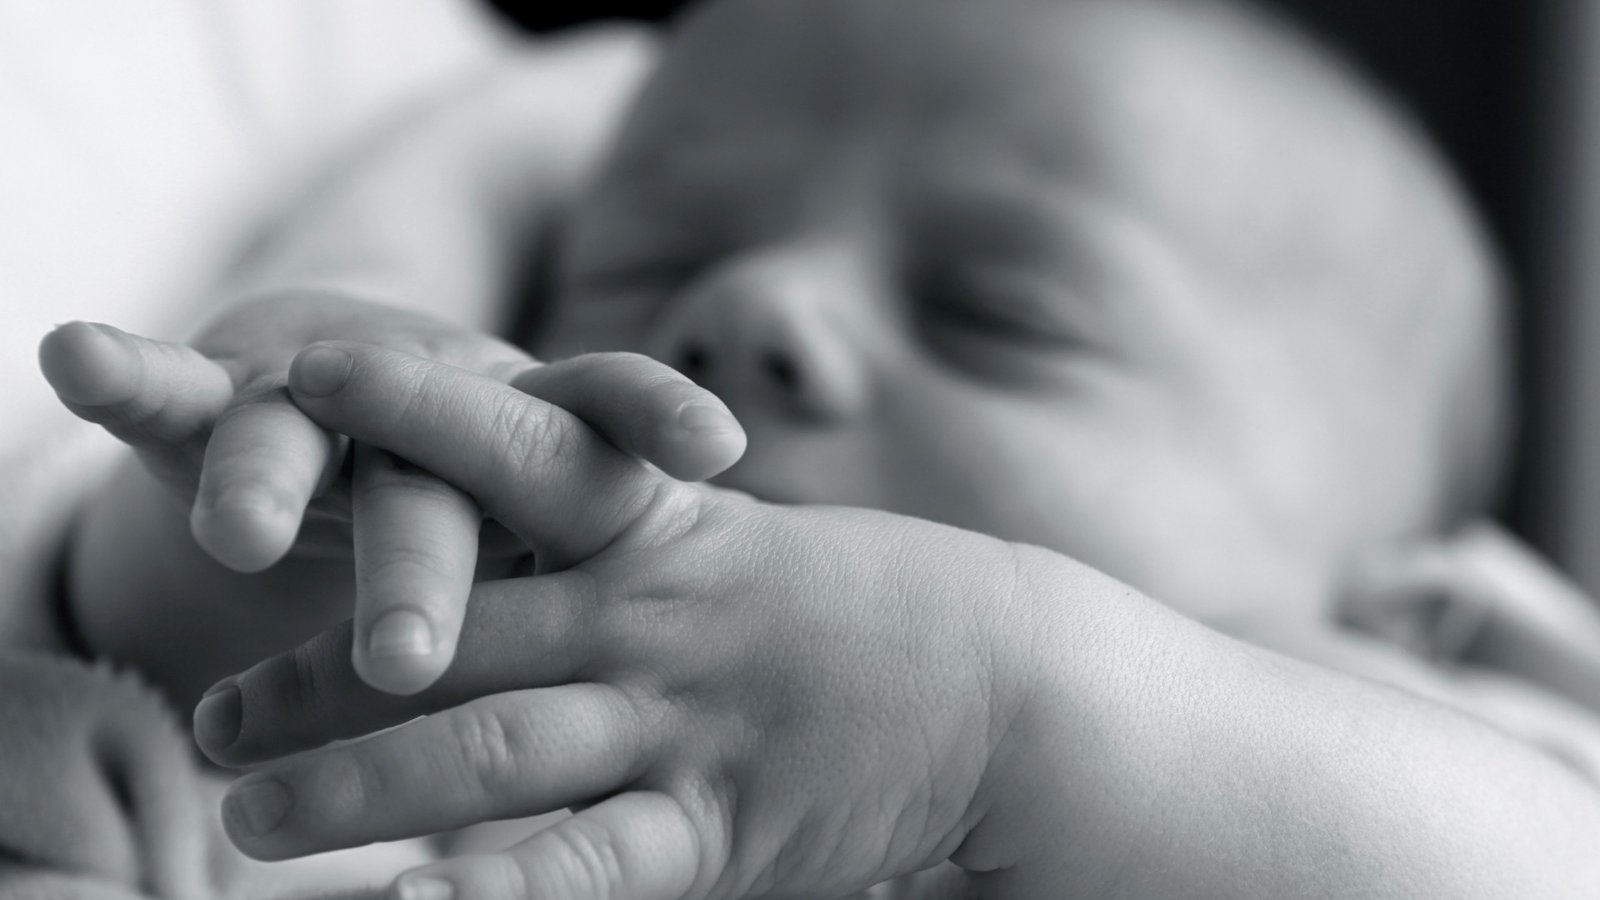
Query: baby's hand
(213, 423)
(758, 700)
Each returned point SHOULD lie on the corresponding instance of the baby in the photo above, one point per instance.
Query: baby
(1154, 285)
(1160, 288)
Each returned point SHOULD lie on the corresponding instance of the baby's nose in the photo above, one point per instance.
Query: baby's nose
(765, 335)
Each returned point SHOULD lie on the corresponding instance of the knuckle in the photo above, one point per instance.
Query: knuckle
(536, 434)
(306, 682)
(421, 391)
(345, 786)
(667, 510)
(151, 420)
(398, 565)
(394, 570)
(506, 876)
(585, 861)
(493, 748)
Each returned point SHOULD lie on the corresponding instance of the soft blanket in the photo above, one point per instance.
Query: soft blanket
(102, 796)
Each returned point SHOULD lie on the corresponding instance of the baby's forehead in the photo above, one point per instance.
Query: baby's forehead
(945, 95)
(1242, 143)
(860, 70)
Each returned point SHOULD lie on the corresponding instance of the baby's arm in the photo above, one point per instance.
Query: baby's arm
(791, 701)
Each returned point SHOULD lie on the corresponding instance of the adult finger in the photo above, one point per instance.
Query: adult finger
(498, 757)
(263, 464)
(646, 408)
(416, 548)
(518, 633)
(537, 468)
(640, 845)
(158, 397)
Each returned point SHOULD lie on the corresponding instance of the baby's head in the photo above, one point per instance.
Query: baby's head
(1153, 283)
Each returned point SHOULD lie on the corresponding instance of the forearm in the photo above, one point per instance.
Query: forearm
(443, 208)
(144, 594)
(1166, 760)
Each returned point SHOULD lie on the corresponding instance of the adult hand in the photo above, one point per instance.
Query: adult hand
(755, 699)
(775, 701)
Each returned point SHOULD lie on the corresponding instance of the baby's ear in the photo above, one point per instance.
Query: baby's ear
(1481, 597)
(96, 779)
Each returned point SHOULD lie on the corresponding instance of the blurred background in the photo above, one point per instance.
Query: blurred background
(200, 109)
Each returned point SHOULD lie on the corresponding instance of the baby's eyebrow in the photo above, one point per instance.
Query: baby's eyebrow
(1051, 230)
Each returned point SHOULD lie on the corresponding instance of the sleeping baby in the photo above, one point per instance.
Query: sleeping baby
(1156, 286)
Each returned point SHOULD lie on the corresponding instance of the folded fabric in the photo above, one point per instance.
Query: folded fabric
(101, 797)
(96, 780)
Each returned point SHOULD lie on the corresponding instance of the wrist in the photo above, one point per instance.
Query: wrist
(1083, 665)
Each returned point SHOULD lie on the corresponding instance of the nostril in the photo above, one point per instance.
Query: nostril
(694, 361)
(782, 370)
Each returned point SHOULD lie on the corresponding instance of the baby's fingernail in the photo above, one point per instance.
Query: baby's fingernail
(257, 807)
(400, 633)
(319, 371)
(701, 417)
(247, 501)
(423, 887)
(218, 718)
(245, 528)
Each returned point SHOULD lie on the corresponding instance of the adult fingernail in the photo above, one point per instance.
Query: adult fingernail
(700, 417)
(257, 807)
(423, 887)
(218, 718)
(400, 633)
(319, 371)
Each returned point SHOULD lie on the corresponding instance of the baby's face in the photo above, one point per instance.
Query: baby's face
(954, 291)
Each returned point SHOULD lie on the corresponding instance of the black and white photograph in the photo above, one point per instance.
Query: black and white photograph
(799, 449)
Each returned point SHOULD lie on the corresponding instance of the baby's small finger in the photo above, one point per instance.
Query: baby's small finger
(646, 408)
(264, 463)
(547, 475)
(635, 846)
(416, 546)
(150, 394)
